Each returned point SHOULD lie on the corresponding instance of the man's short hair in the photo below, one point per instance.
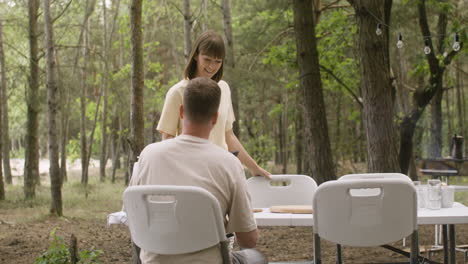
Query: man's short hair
(201, 99)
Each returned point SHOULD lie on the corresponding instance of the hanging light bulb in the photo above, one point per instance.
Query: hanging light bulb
(427, 49)
(378, 31)
(456, 42)
(399, 43)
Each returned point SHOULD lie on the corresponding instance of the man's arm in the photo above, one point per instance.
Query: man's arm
(247, 239)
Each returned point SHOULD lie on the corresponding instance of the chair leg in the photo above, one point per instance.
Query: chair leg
(225, 252)
(414, 256)
(317, 252)
(338, 254)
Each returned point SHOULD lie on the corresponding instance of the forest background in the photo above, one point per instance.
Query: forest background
(94, 60)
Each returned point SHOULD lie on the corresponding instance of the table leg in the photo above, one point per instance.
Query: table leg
(445, 243)
(338, 254)
(452, 243)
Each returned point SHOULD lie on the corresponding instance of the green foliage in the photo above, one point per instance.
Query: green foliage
(58, 253)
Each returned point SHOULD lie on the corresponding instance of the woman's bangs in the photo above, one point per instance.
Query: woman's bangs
(213, 49)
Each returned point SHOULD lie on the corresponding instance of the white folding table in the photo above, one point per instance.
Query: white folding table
(447, 217)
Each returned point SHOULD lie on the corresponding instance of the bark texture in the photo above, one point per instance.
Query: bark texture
(317, 142)
(376, 88)
(5, 135)
(52, 107)
(31, 163)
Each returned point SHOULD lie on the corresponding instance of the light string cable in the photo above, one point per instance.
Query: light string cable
(427, 50)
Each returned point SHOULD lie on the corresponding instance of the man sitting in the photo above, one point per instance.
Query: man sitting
(190, 159)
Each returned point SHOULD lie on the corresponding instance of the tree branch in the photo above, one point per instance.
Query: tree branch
(268, 45)
(330, 72)
(63, 11)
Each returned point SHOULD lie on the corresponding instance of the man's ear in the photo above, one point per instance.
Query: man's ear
(214, 119)
(181, 111)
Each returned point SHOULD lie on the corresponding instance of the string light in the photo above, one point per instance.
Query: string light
(456, 46)
(399, 43)
(456, 42)
(427, 49)
(378, 31)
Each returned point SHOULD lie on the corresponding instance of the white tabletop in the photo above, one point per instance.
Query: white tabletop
(458, 214)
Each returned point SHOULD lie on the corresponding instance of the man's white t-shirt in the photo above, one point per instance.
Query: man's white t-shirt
(170, 122)
(193, 161)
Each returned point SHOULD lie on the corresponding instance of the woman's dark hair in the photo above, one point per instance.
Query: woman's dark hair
(208, 43)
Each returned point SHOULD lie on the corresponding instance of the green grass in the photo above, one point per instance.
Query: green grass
(93, 201)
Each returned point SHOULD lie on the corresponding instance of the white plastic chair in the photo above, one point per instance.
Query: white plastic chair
(375, 176)
(166, 219)
(265, 193)
(346, 214)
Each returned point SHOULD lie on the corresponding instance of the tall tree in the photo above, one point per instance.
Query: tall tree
(317, 142)
(136, 111)
(84, 39)
(188, 21)
(2, 187)
(376, 88)
(435, 146)
(5, 135)
(103, 154)
(52, 107)
(31, 163)
(423, 95)
(230, 61)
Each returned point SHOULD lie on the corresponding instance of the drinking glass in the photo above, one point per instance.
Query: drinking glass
(420, 194)
(448, 193)
(434, 195)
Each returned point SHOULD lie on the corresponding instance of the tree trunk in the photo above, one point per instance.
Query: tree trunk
(103, 154)
(5, 135)
(64, 124)
(83, 118)
(460, 99)
(52, 91)
(2, 187)
(423, 95)
(187, 29)
(84, 36)
(115, 141)
(230, 61)
(317, 142)
(436, 103)
(376, 88)
(136, 113)
(31, 163)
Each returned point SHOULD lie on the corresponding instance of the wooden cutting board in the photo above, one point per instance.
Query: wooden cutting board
(292, 209)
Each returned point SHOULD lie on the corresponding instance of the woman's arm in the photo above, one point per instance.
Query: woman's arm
(234, 145)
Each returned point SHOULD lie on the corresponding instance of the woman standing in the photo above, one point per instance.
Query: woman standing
(206, 60)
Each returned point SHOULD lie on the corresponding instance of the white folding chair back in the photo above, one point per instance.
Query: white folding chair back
(167, 219)
(365, 212)
(298, 190)
(375, 176)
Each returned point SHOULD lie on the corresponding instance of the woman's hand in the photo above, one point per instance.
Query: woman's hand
(234, 145)
(259, 171)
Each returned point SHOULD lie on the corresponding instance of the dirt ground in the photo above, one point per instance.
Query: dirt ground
(22, 243)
